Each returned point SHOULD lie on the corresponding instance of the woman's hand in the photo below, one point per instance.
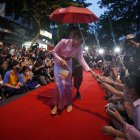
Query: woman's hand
(109, 130)
(114, 114)
(64, 63)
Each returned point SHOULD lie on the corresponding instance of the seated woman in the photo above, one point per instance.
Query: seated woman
(25, 77)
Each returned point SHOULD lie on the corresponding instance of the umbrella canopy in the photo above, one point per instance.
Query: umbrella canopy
(73, 14)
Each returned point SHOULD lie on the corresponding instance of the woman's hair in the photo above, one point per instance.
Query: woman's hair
(133, 82)
(72, 31)
(78, 34)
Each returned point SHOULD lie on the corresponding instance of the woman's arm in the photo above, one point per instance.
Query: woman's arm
(109, 130)
(131, 132)
(113, 90)
(128, 109)
(82, 61)
(57, 48)
(111, 82)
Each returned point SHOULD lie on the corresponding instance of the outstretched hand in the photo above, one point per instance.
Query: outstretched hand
(114, 114)
(92, 73)
(109, 130)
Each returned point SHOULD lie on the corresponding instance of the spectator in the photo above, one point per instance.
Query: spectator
(128, 132)
(26, 79)
(11, 80)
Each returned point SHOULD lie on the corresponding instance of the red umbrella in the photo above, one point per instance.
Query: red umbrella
(73, 14)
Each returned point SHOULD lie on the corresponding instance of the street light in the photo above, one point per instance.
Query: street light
(86, 48)
(117, 50)
(101, 51)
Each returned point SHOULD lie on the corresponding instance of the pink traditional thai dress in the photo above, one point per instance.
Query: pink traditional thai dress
(63, 91)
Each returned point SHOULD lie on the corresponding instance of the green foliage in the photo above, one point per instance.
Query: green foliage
(38, 11)
(124, 16)
(43, 8)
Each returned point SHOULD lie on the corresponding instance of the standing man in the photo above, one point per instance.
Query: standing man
(77, 76)
(77, 69)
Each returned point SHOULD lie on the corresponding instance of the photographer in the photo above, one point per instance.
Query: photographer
(130, 40)
(132, 57)
(35, 46)
(40, 70)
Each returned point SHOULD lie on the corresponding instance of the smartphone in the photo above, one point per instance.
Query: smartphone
(111, 108)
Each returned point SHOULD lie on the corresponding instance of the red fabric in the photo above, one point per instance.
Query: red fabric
(73, 14)
(28, 118)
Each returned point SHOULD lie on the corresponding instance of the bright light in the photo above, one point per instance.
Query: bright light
(86, 48)
(101, 51)
(43, 46)
(43, 39)
(45, 33)
(117, 49)
(27, 44)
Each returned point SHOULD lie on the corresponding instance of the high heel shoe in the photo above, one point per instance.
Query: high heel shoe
(54, 110)
(69, 108)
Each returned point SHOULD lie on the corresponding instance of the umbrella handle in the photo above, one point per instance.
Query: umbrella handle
(81, 35)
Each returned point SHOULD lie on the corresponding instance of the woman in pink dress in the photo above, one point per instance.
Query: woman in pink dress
(63, 52)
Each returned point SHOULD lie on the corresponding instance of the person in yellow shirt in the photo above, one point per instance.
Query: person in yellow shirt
(11, 80)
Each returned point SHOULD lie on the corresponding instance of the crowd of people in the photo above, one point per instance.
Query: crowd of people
(123, 94)
(22, 70)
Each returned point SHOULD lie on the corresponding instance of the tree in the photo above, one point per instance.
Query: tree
(42, 9)
(37, 13)
(124, 16)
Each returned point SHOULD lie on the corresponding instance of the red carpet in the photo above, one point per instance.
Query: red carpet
(28, 118)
